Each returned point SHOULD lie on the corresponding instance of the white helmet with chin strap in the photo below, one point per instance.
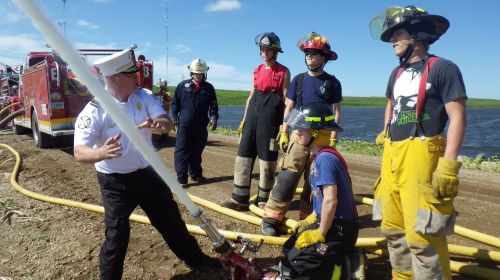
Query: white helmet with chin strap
(198, 66)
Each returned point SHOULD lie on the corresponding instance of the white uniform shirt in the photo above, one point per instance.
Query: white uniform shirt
(94, 125)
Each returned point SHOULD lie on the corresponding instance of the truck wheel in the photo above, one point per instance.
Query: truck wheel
(42, 140)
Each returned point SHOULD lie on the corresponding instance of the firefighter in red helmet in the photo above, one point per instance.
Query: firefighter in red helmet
(315, 85)
(414, 195)
(260, 125)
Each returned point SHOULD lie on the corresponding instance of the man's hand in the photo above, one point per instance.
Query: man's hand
(301, 225)
(283, 141)
(309, 238)
(176, 123)
(333, 143)
(160, 123)
(111, 148)
(240, 128)
(212, 125)
(444, 179)
(380, 140)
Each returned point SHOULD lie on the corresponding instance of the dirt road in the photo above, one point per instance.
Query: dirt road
(47, 241)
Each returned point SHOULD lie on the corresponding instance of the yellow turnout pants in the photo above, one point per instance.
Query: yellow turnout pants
(414, 222)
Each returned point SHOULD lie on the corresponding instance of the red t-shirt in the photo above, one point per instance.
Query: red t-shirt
(270, 78)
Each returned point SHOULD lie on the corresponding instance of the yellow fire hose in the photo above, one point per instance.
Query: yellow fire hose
(456, 267)
(370, 244)
(459, 230)
(7, 108)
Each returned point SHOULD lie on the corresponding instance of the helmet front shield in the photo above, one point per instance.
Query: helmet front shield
(268, 40)
(386, 19)
(312, 117)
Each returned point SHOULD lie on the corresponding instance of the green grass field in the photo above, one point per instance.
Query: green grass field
(238, 98)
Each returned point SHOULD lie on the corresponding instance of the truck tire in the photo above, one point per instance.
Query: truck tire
(42, 140)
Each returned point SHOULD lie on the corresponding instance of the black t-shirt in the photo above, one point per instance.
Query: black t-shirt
(444, 84)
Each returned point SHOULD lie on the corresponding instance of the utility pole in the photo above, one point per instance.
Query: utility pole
(166, 38)
(63, 22)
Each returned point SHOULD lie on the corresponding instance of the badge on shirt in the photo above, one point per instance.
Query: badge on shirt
(321, 248)
(84, 122)
(138, 106)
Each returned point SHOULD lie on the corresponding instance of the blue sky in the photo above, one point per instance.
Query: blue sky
(222, 33)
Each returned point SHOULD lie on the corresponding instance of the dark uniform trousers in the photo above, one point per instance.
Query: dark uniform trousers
(264, 117)
(189, 145)
(319, 261)
(121, 194)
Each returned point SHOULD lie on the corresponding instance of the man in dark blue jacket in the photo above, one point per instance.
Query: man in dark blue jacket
(194, 101)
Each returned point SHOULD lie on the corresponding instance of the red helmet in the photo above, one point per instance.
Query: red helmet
(314, 41)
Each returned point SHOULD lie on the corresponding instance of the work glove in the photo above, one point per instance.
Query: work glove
(283, 141)
(380, 139)
(444, 179)
(212, 125)
(301, 225)
(309, 238)
(240, 128)
(176, 123)
(333, 143)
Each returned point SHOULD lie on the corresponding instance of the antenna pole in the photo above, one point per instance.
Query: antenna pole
(166, 36)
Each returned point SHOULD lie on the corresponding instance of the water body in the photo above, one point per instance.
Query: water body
(364, 123)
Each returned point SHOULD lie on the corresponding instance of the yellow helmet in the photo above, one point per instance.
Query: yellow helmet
(198, 66)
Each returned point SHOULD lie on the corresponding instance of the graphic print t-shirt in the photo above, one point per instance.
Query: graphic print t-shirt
(444, 84)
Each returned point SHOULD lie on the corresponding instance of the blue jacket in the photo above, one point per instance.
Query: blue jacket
(193, 107)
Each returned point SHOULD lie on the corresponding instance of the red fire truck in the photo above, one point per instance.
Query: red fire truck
(52, 97)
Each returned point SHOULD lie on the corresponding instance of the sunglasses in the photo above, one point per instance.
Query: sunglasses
(313, 53)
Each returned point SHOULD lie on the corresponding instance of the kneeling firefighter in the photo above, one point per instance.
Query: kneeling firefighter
(260, 126)
(323, 242)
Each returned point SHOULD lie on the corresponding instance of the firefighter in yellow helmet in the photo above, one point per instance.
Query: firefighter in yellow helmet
(414, 195)
(193, 109)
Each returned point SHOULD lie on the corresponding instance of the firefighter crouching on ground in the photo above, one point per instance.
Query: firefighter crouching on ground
(260, 125)
(126, 179)
(194, 100)
(419, 164)
(313, 86)
(323, 241)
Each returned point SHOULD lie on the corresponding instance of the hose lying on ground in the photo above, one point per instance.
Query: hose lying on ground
(370, 244)
(10, 117)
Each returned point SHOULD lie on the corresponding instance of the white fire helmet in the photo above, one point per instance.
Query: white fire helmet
(198, 66)
(162, 83)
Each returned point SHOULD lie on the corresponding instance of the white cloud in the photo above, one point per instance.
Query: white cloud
(220, 75)
(181, 48)
(223, 5)
(16, 47)
(86, 24)
(12, 18)
(95, 46)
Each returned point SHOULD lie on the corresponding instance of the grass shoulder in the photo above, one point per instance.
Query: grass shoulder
(360, 147)
(239, 97)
